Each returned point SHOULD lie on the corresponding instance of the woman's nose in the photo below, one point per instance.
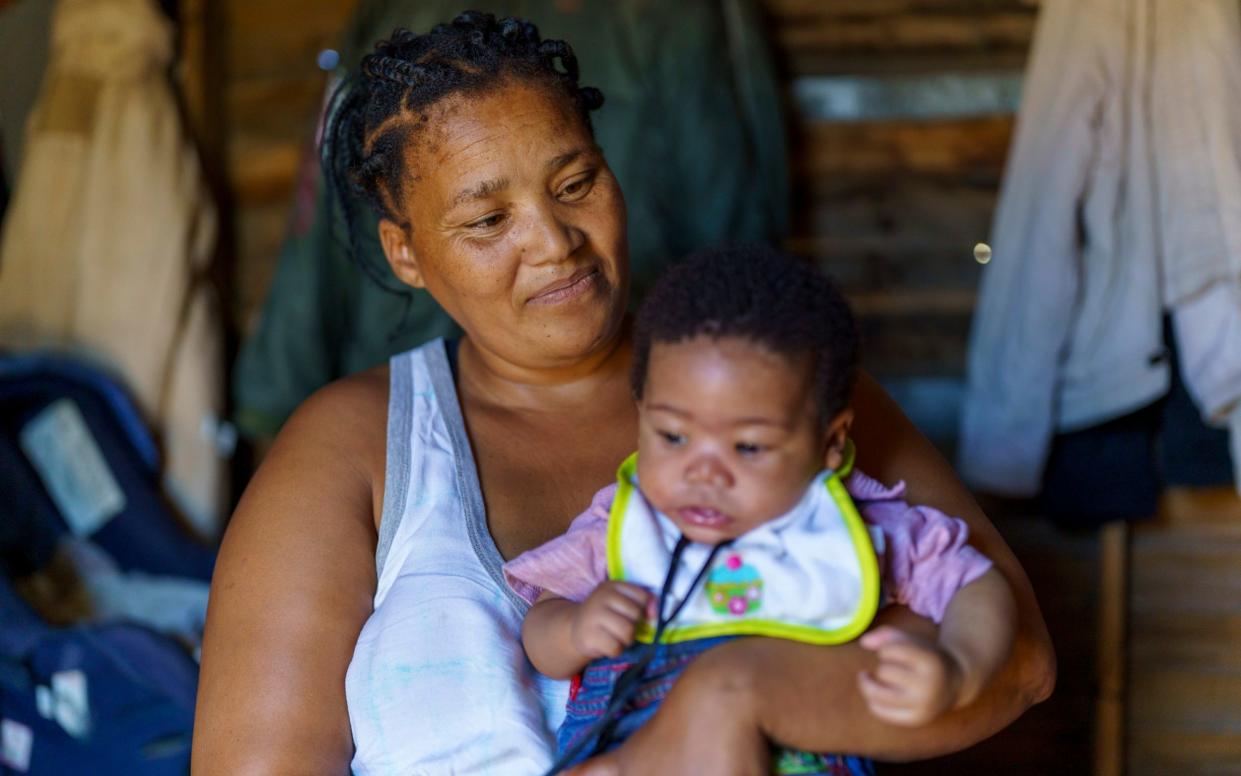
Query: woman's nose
(709, 470)
(552, 239)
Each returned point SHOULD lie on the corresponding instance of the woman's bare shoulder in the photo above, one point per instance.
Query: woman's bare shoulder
(351, 411)
(340, 433)
(293, 585)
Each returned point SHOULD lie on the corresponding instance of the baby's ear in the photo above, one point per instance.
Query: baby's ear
(837, 438)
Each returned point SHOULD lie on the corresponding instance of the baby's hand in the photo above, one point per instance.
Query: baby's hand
(915, 681)
(603, 625)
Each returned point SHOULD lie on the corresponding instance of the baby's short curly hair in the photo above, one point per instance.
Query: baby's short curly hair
(761, 294)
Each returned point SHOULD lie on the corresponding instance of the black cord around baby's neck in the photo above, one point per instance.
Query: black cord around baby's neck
(630, 680)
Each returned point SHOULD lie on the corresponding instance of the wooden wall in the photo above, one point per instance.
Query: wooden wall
(892, 206)
(270, 94)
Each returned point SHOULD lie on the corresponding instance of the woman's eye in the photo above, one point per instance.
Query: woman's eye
(577, 188)
(672, 438)
(488, 222)
(748, 448)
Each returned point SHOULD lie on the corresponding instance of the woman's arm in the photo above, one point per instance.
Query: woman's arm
(737, 695)
(292, 588)
(916, 679)
(890, 448)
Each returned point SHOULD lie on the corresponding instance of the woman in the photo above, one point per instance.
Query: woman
(358, 582)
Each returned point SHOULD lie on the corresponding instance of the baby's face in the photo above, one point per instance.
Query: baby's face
(729, 435)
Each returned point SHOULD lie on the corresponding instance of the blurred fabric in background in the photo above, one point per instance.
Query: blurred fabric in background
(110, 235)
(1121, 204)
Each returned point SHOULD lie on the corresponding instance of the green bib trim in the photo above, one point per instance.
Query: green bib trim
(868, 600)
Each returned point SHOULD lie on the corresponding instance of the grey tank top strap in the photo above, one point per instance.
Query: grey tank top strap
(413, 375)
(438, 682)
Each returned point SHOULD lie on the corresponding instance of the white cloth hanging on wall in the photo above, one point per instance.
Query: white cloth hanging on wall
(1121, 199)
(110, 233)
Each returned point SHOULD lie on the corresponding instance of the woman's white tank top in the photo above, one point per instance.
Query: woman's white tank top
(439, 683)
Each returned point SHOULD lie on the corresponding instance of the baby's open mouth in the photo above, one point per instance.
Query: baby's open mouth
(705, 517)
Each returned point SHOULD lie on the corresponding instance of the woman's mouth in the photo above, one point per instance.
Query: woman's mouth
(704, 517)
(577, 284)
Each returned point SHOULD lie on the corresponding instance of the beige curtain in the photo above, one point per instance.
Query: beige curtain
(109, 235)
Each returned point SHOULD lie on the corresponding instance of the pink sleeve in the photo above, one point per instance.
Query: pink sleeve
(572, 564)
(926, 558)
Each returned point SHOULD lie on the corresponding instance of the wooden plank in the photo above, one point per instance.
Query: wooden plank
(905, 32)
(1186, 507)
(1185, 668)
(974, 150)
(261, 231)
(1187, 639)
(272, 37)
(1109, 740)
(278, 107)
(1206, 700)
(913, 302)
(919, 207)
(909, 233)
(876, 265)
(914, 344)
(1194, 582)
(1184, 753)
(824, 62)
(262, 174)
(889, 97)
(847, 36)
(880, 8)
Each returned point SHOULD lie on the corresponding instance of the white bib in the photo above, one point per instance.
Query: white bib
(809, 575)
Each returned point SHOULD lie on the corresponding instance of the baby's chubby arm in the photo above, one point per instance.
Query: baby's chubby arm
(916, 680)
(562, 636)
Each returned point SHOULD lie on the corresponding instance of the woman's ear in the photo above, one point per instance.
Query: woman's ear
(837, 439)
(399, 250)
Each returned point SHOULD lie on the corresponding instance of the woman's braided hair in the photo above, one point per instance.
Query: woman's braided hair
(373, 114)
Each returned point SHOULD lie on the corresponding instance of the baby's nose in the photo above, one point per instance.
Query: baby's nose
(709, 470)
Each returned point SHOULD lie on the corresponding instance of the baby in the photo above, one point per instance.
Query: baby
(741, 514)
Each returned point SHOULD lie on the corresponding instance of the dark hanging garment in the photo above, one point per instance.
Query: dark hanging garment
(1121, 204)
(1115, 470)
(109, 239)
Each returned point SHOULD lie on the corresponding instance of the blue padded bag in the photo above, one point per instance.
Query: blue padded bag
(140, 686)
(143, 535)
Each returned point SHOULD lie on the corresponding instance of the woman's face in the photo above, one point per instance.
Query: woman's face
(515, 225)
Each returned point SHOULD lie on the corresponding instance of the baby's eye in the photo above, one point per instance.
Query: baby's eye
(672, 438)
(748, 449)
